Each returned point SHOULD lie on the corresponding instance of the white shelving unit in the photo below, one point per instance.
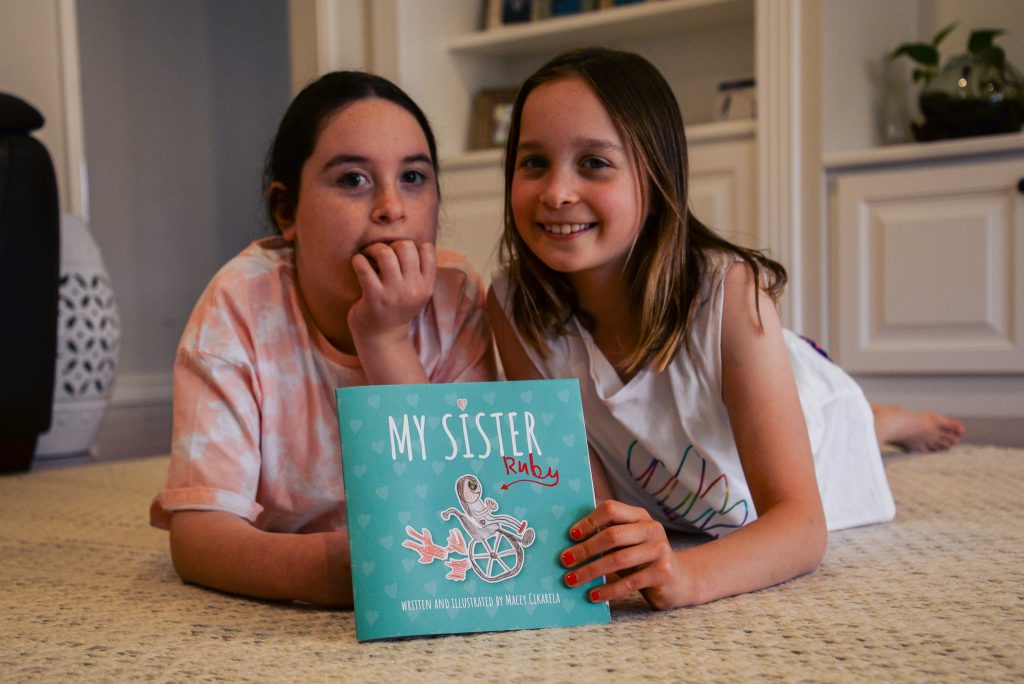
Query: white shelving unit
(695, 43)
(617, 24)
(926, 282)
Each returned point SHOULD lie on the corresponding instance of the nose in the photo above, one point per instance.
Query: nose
(559, 189)
(387, 204)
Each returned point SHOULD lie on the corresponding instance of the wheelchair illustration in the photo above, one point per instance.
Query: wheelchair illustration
(496, 551)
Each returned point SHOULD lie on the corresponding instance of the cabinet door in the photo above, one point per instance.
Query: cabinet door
(722, 191)
(930, 270)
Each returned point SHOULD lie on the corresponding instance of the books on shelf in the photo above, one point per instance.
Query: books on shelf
(505, 12)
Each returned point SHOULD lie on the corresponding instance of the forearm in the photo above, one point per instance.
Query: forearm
(785, 542)
(390, 361)
(224, 552)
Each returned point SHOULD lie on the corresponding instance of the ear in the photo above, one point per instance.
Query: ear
(282, 206)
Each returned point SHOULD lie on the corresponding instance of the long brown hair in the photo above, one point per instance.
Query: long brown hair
(672, 254)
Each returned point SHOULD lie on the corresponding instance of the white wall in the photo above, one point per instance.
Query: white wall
(856, 37)
(976, 14)
(30, 68)
(180, 102)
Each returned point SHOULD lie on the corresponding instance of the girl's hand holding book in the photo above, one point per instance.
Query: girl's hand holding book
(631, 549)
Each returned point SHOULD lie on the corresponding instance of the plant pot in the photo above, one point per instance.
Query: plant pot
(971, 97)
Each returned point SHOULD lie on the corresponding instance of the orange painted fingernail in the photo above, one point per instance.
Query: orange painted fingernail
(576, 533)
(595, 595)
(568, 558)
(570, 579)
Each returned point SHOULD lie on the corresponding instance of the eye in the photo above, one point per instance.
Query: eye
(472, 485)
(352, 180)
(594, 163)
(532, 162)
(414, 177)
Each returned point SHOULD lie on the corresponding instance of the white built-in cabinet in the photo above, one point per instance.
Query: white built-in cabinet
(929, 258)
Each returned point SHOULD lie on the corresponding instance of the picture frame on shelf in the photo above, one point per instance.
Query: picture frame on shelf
(492, 110)
(736, 100)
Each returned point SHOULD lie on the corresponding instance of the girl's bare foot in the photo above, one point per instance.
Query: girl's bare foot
(915, 430)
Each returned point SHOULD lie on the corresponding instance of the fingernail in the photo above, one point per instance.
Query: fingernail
(576, 533)
(568, 558)
(595, 595)
(570, 579)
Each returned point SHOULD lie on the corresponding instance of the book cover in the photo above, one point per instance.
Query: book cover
(460, 498)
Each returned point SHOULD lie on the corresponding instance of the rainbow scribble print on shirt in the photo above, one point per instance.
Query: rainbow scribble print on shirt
(460, 497)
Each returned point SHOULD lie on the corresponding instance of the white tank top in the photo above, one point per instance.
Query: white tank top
(665, 439)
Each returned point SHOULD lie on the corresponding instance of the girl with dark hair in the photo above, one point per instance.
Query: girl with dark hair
(351, 292)
(703, 414)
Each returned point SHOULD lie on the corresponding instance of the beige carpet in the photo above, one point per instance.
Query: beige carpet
(87, 591)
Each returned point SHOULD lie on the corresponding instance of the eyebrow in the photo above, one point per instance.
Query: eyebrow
(341, 159)
(589, 143)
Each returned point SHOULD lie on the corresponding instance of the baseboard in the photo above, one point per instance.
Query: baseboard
(138, 418)
(965, 396)
(129, 431)
(1003, 432)
(142, 389)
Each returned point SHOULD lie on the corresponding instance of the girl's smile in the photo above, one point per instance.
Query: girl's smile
(576, 194)
(566, 228)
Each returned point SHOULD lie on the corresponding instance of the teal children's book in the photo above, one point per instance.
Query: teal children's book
(460, 498)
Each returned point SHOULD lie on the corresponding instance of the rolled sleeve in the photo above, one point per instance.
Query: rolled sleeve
(215, 454)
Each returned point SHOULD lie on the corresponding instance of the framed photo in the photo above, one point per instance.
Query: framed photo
(736, 100)
(491, 115)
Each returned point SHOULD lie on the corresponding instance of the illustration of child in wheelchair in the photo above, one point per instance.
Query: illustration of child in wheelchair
(496, 550)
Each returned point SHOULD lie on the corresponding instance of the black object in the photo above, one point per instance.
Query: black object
(29, 275)
(949, 117)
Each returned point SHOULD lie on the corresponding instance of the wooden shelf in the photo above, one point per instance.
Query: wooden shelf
(616, 24)
(915, 152)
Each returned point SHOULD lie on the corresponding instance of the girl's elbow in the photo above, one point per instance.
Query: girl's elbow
(816, 542)
(189, 545)
(181, 558)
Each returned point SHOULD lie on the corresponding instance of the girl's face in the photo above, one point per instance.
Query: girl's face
(576, 194)
(369, 179)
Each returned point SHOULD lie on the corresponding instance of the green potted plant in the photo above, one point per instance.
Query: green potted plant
(975, 93)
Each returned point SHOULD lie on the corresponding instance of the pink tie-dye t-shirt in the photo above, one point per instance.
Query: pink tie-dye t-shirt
(255, 418)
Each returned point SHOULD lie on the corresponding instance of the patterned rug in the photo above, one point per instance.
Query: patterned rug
(87, 591)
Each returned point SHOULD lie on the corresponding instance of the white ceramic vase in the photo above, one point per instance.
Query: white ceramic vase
(88, 342)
